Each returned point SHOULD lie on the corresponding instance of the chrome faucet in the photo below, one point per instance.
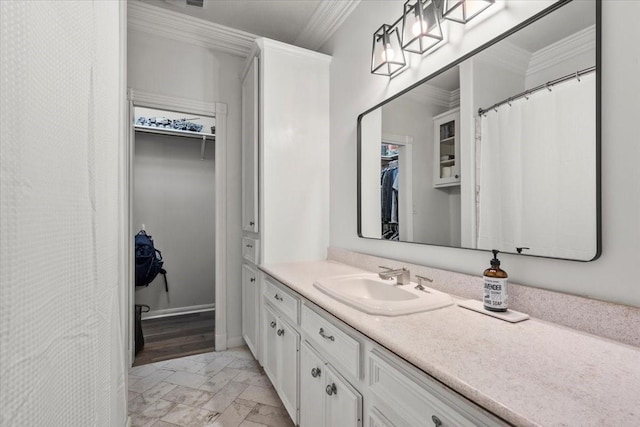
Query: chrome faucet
(402, 275)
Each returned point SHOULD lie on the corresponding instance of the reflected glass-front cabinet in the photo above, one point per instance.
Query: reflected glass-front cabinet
(446, 150)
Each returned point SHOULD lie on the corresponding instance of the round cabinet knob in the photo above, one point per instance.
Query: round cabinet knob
(251, 223)
(253, 279)
(436, 421)
(280, 332)
(315, 372)
(272, 324)
(457, 176)
(331, 389)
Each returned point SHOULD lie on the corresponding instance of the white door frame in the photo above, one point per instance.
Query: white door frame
(219, 110)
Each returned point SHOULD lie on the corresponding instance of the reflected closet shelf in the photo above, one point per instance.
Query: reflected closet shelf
(174, 132)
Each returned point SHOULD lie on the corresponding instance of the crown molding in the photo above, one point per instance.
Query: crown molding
(508, 56)
(569, 47)
(160, 22)
(155, 100)
(326, 19)
(427, 94)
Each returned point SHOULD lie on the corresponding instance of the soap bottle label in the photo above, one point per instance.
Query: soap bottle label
(495, 293)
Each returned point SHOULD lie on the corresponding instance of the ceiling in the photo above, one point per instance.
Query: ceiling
(305, 23)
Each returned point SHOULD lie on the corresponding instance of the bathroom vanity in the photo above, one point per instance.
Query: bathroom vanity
(334, 365)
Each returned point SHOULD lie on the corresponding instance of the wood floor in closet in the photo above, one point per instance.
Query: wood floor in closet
(176, 336)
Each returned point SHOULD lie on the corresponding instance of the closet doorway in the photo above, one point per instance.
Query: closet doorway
(177, 197)
(396, 187)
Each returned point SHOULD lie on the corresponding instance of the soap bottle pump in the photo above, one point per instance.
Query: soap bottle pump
(495, 286)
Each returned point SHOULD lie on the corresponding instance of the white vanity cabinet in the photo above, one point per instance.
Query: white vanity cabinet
(250, 148)
(250, 306)
(446, 149)
(327, 399)
(281, 343)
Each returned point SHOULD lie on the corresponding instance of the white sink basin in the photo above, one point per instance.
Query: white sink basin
(369, 293)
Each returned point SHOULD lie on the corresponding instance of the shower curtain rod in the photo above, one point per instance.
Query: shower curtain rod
(546, 85)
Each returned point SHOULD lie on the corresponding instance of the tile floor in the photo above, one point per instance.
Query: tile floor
(217, 389)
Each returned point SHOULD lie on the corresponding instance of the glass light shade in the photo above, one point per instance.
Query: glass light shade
(420, 26)
(463, 11)
(387, 56)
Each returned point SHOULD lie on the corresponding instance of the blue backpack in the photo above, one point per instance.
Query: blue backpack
(148, 261)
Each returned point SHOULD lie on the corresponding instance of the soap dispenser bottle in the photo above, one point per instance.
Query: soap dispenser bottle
(495, 286)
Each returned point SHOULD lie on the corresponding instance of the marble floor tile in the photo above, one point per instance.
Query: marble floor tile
(247, 423)
(189, 416)
(158, 409)
(216, 365)
(185, 365)
(204, 357)
(158, 391)
(246, 364)
(235, 414)
(187, 379)
(253, 378)
(225, 397)
(161, 423)
(270, 415)
(149, 381)
(142, 371)
(131, 395)
(138, 420)
(266, 395)
(240, 353)
(218, 381)
(188, 396)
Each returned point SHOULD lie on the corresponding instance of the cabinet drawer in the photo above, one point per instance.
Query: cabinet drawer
(286, 303)
(410, 402)
(342, 349)
(250, 249)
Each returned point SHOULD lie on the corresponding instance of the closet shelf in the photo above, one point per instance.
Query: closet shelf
(174, 132)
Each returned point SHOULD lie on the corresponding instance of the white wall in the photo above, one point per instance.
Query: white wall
(614, 276)
(177, 69)
(174, 197)
(62, 280)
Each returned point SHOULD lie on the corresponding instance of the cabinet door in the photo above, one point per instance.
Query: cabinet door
(343, 404)
(250, 307)
(270, 343)
(312, 390)
(250, 149)
(288, 345)
(446, 152)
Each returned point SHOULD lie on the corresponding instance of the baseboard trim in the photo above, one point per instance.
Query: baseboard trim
(221, 342)
(235, 342)
(168, 312)
(128, 422)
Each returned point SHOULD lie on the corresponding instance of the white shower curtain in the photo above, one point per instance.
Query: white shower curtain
(538, 173)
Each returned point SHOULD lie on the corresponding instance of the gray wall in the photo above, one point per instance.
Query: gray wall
(614, 276)
(174, 197)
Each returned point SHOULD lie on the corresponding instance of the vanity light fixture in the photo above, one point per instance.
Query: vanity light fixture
(463, 11)
(387, 55)
(421, 28)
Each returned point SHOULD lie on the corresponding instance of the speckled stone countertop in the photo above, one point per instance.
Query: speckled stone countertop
(531, 373)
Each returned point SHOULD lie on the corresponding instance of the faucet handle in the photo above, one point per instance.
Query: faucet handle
(385, 268)
(421, 278)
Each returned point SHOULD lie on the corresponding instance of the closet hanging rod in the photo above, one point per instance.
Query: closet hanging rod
(548, 85)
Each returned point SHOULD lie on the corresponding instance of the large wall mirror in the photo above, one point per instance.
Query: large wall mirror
(499, 150)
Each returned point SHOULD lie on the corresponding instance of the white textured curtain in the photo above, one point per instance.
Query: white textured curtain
(538, 173)
(61, 328)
